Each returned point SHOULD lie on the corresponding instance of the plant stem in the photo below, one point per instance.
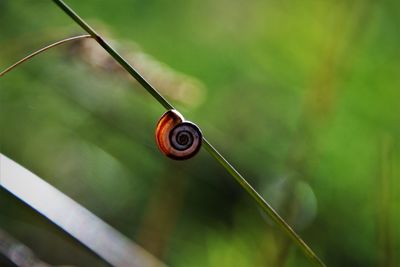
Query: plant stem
(207, 145)
(263, 204)
(43, 50)
(114, 54)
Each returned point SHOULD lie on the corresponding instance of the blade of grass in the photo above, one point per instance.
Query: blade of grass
(207, 145)
(264, 204)
(43, 50)
(114, 54)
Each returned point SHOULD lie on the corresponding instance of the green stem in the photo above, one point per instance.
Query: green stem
(114, 54)
(263, 204)
(210, 149)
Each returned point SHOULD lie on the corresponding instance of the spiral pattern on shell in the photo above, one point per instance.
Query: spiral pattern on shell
(177, 138)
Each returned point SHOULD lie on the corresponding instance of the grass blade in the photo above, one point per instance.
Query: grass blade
(207, 145)
(28, 57)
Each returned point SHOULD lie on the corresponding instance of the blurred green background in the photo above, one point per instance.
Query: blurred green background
(301, 96)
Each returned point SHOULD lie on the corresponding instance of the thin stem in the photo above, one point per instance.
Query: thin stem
(209, 148)
(114, 54)
(43, 50)
(263, 204)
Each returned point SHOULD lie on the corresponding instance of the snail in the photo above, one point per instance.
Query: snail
(177, 138)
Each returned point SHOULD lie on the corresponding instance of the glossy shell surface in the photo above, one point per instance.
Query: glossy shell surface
(177, 138)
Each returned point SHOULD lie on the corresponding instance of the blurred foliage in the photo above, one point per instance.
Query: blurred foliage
(301, 96)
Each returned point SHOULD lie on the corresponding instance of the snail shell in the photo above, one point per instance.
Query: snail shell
(177, 138)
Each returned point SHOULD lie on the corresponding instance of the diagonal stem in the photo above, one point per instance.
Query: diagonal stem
(114, 54)
(207, 145)
(43, 50)
(264, 204)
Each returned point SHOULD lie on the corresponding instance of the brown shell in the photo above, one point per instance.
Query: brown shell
(172, 121)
